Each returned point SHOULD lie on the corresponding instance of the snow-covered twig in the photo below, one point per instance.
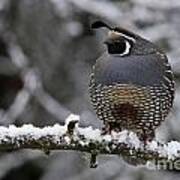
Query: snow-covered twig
(88, 140)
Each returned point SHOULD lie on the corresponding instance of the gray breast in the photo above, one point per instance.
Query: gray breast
(139, 70)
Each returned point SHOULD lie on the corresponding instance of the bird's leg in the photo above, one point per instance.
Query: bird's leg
(146, 137)
(106, 129)
(109, 127)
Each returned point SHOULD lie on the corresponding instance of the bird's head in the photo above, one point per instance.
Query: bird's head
(123, 42)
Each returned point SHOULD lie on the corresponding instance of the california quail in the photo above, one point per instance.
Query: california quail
(131, 85)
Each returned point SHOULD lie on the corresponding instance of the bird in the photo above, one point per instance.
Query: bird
(132, 85)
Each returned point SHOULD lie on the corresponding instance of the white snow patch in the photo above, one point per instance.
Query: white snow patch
(121, 136)
(29, 131)
(90, 133)
(67, 139)
(171, 149)
(107, 138)
(133, 140)
(125, 136)
(128, 138)
(153, 146)
(72, 117)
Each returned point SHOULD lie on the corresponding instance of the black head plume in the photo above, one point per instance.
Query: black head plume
(100, 24)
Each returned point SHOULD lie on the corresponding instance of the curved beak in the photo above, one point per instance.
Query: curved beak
(112, 35)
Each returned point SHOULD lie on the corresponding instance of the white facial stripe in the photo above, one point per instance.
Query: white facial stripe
(115, 34)
(127, 50)
(127, 37)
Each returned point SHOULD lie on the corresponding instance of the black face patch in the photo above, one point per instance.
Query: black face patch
(120, 46)
(117, 47)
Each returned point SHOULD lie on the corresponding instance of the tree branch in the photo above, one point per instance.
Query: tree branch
(88, 140)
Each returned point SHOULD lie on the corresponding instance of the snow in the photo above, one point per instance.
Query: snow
(153, 145)
(15, 135)
(29, 131)
(72, 117)
(171, 150)
(134, 140)
(34, 133)
(107, 138)
(125, 136)
(90, 133)
(128, 138)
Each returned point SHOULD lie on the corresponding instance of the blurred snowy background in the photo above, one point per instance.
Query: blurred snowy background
(46, 53)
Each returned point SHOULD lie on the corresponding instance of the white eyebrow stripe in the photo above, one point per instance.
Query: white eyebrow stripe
(127, 37)
(121, 34)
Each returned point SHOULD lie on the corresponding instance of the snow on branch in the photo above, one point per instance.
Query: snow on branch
(72, 137)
